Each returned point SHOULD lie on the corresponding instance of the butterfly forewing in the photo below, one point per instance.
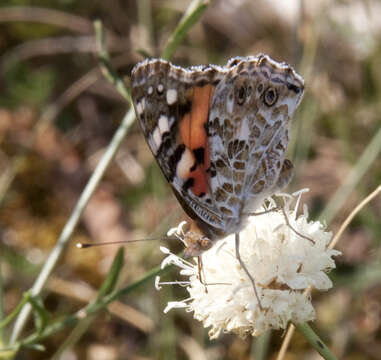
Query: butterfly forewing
(172, 105)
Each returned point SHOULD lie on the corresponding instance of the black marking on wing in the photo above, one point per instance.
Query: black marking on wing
(174, 159)
(199, 154)
(294, 88)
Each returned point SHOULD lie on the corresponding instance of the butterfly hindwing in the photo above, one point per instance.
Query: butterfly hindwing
(248, 134)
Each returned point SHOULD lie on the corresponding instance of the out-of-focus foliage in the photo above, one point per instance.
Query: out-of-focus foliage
(57, 115)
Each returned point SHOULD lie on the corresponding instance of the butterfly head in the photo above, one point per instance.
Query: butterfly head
(195, 244)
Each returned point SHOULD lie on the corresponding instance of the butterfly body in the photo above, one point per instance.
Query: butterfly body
(220, 136)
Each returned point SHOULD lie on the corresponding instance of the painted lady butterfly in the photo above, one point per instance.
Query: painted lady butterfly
(219, 135)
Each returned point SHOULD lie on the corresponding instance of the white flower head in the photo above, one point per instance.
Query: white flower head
(282, 263)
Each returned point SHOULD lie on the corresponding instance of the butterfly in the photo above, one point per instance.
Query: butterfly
(219, 135)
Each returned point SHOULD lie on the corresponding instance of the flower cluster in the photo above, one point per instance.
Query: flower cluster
(282, 263)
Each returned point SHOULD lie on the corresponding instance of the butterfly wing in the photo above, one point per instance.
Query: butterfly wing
(172, 106)
(248, 133)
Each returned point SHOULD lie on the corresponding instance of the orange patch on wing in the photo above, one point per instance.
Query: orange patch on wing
(200, 184)
(193, 134)
(192, 129)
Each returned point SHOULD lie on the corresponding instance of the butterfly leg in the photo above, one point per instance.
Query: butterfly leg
(284, 179)
(281, 208)
(238, 256)
(292, 228)
(201, 273)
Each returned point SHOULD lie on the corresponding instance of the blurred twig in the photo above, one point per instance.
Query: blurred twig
(286, 342)
(52, 47)
(301, 142)
(366, 159)
(46, 16)
(355, 211)
(145, 24)
(1, 301)
(105, 63)
(47, 46)
(80, 329)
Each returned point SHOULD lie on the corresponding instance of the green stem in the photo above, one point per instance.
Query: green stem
(81, 327)
(260, 347)
(190, 17)
(14, 313)
(105, 63)
(1, 303)
(90, 310)
(74, 219)
(315, 341)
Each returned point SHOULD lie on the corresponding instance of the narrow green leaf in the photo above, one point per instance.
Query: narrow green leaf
(41, 315)
(315, 341)
(37, 347)
(15, 312)
(113, 275)
(74, 319)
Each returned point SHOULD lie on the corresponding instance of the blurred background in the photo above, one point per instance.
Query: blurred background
(58, 114)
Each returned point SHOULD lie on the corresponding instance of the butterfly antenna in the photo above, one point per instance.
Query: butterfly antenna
(88, 245)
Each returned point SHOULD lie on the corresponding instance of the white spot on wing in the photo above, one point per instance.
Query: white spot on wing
(185, 163)
(140, 106)
(171, 96)
(160, 88)
(157, 137)
(152, 145)
(150, 90)
(163, 124)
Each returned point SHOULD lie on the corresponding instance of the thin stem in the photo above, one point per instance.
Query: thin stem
(347, 221)
(315, 341)
(286, 342)
(45, 16)
(74, 219)
(105, 63)
(80, 328)
(190, 17)
(14, 313)
(366, 159)
(144, 8)
(92, 309)
(1, 301)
